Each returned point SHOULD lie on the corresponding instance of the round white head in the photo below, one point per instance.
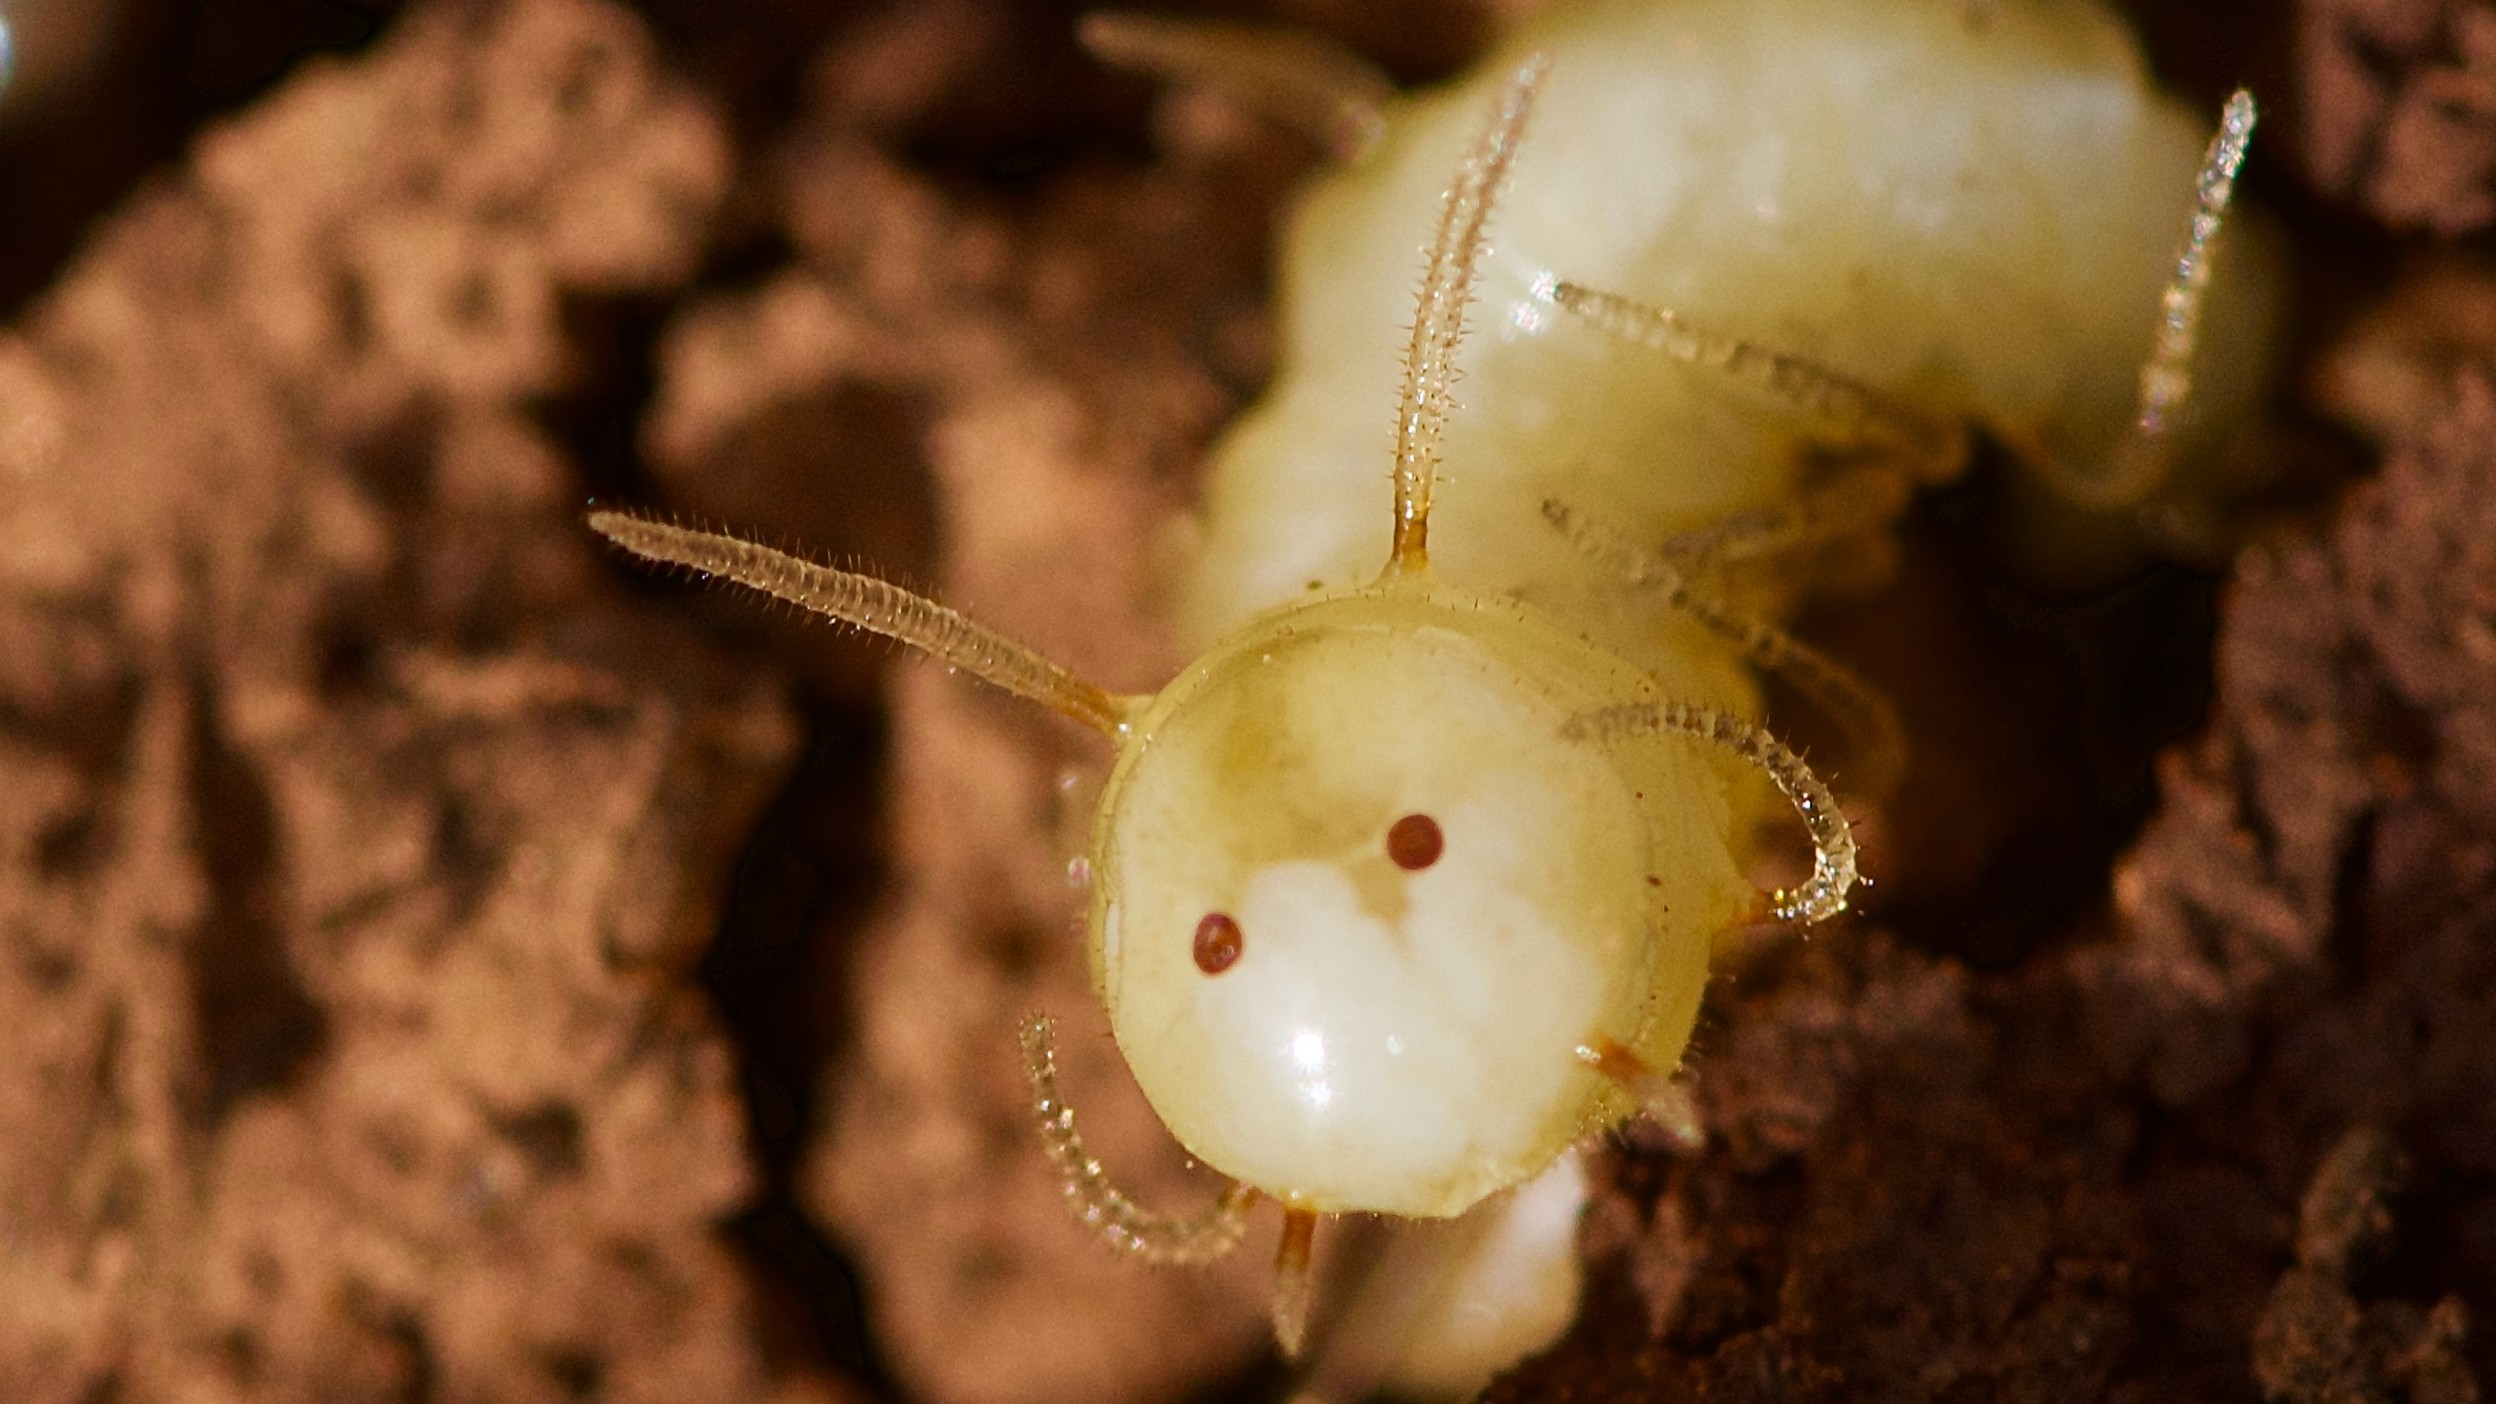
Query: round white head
(1383, 902)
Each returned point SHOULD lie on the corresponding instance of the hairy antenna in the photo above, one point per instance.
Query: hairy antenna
(878, 606)
(2148, 450)
(1820, 897)
(1120, 1221)
(1844, 404)
(1439, 317)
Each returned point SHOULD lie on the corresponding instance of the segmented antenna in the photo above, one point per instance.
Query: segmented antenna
(878, 606)
(1823, 895)
(1439, 317)
(2141, 461)
(1099, 1204)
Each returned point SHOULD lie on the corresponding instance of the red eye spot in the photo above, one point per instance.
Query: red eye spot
(1218, 941)
(1415, 842)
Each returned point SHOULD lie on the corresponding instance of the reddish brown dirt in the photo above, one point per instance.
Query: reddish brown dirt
(2399, 99)
(437, 964)
(357, 836)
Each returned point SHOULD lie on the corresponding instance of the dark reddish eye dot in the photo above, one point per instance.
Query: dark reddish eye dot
(1218, 940)
(1414, 842)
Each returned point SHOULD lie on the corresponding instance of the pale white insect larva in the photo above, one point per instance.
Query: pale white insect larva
(1448, 867)
(1861, 227)
(1409, 882)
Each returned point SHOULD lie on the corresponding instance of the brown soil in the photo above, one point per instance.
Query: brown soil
(438, 964)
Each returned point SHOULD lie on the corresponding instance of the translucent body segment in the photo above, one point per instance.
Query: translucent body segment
(1290, 75)
(1832, 838)
(1929, 449)
(1098, 1204)
(1439, 320)
(877, 606)
(1975, 220)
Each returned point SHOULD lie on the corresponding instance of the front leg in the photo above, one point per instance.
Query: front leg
(1867, 717)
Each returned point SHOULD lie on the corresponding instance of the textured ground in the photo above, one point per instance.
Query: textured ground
(438, 965)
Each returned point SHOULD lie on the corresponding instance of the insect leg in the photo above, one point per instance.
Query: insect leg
(1303, 80)
(1846, 410)
(1120, 1221)
(878, 606)
(1667, 1101)
(2141, 462)
(1294, 1287)
(1863, 498)
(1855, 705)
(1823, 894)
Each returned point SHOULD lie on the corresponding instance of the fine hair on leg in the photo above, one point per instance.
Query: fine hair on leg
(1844, 408)
(1823, 894)
(1098, 1203)
(1856, 706)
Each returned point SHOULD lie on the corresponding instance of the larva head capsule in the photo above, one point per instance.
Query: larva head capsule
(1359, 899)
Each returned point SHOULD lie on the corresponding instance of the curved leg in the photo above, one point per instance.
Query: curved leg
(1823, 894)
(1120, 1221)
(1855, 705)
(1303, 80)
